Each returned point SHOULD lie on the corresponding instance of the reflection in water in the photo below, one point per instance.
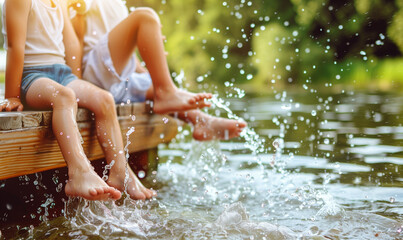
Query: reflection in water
(334, 173)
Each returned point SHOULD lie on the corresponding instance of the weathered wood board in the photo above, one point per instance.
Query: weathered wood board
(27, 144)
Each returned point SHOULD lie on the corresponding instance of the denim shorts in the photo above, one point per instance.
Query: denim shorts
(59, 73)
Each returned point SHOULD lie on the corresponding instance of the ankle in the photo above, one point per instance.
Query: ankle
(162, 91)
(117, 172)
(79, 171)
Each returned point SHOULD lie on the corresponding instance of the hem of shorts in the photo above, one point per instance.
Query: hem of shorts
(45, 64)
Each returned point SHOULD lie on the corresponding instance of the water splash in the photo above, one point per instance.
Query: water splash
(128, 219)
(252, 140)
(235, 220)
(107, 168)
(126, 149)
(208, 179)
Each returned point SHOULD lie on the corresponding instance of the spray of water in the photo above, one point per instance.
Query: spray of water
(306, 194)
(252, 140)
(126, 149)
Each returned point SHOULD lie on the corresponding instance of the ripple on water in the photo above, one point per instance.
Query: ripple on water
(381, 159)
(205, 193)
(375, 150)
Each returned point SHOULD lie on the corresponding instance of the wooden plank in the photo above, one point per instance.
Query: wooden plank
(10, 121)
(31, 119)
(83, 115)
(34, 149)
(124, 110)
(46, 118)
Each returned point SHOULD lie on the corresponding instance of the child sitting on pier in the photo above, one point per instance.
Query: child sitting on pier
(40, 41)
(109, 36)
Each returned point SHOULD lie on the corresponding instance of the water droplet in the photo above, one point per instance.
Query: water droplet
(131, 130)
(226, 134)
(141, 174)
(313, 113)
(392, 199)
(276, 144)
(379, 42)
(165, 120)
(357, 180)
(9, 206)
(59, 187)
(286, 107)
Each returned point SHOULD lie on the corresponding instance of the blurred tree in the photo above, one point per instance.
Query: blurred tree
(395, 30)
(289, 41)
(292, 41)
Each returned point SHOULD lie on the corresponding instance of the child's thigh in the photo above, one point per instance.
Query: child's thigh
(90, 96)
(43, 93)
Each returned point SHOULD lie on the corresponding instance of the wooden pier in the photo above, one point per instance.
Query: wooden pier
(32, 168)
(27, 143)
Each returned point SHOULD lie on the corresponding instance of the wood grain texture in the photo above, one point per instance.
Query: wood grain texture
(25, 150)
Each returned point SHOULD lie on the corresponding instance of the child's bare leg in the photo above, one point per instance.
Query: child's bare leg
(207, 127)
(142, 29)
(109, 134)
(83, 180)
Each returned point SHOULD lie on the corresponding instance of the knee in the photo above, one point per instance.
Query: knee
(64, 97)
(104, 104)
(146, 14)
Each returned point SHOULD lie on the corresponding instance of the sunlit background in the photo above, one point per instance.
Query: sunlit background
(266, 44)
(294, 42)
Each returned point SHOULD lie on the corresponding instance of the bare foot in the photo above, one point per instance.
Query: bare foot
(88, 185)
(179, 100)
(209, 128)
(135, 188)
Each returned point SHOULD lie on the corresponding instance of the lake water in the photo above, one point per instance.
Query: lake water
(310, 166)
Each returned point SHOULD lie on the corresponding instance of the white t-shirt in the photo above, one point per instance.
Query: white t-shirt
(44, 42)
(101, 17)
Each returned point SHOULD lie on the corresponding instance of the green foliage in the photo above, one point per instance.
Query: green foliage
(291, 41)
(307, 10)
(395, 30)
(274, 53)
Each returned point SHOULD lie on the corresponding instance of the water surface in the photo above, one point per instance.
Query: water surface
(335, 174)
